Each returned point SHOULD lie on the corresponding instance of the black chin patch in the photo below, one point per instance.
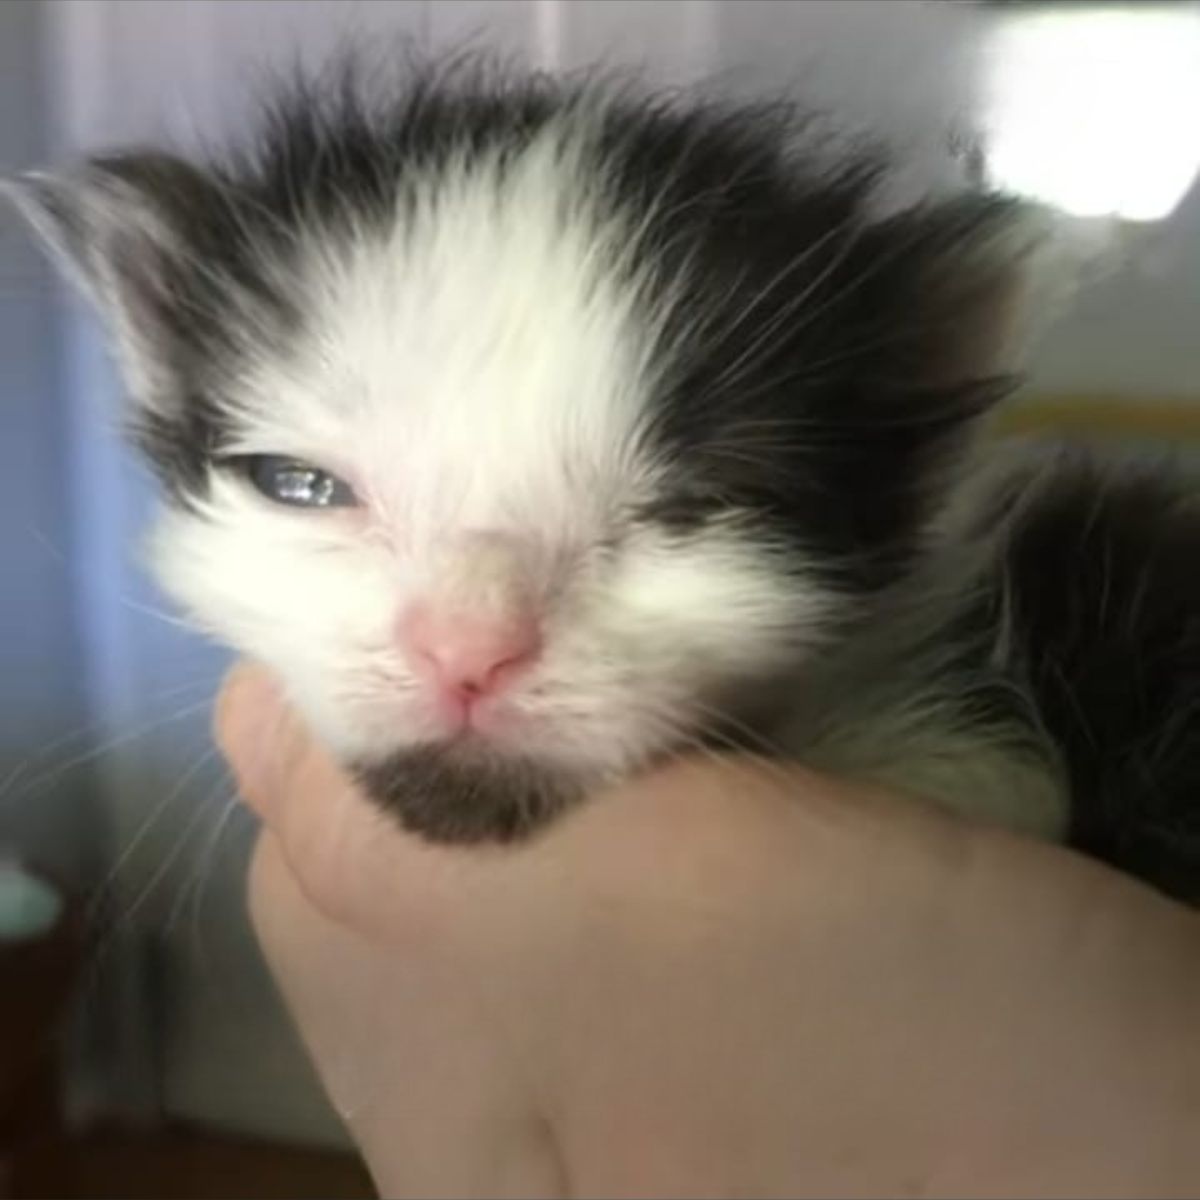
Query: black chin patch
(462, 799)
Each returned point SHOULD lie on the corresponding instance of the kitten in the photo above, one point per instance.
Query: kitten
(533, 432)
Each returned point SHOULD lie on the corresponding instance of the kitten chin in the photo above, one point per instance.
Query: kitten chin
(464, 793)
(460, 797)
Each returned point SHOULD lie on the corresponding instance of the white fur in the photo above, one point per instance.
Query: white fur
(484, 365)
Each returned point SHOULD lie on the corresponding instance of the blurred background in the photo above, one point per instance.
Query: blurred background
(143, 1051)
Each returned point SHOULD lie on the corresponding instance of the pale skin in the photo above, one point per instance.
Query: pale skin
(725, 979)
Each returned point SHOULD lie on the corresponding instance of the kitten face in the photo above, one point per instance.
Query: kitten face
(621, 417)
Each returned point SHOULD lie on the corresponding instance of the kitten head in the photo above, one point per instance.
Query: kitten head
(532, 432)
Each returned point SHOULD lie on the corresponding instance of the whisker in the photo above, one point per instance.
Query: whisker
(168, 861)
(149, 823)
(174, 620)
(728, 377)
(203, 875)
(703, 743)
(774, 325)
(94, 725)
(46, 778)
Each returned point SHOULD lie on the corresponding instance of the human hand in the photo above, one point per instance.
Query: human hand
(725, 979)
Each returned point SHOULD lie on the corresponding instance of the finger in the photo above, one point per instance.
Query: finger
(252, 727)
(318, 827)
(333, 982)
(274, 899)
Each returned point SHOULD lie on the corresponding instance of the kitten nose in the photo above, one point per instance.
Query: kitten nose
(468, 656)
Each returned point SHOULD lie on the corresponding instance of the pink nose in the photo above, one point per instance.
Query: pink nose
(467, 656)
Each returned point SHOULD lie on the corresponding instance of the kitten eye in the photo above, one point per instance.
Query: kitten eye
(300, 484)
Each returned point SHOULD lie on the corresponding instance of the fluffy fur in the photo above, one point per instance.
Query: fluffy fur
(655, 369)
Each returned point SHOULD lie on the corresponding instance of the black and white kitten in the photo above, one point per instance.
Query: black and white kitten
(534, 432)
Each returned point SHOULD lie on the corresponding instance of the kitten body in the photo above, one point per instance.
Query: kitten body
(533, 433)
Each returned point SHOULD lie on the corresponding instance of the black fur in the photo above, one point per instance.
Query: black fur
(795, 305)
(823, 372)
(1104, 575)
(1077, 628)
(465, 798)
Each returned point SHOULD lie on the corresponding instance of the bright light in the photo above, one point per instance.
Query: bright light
(1095, 112)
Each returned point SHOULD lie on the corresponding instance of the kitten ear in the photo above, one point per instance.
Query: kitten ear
(125, 230)
(962, 285)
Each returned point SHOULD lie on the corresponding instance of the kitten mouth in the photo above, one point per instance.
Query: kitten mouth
(475, 724)
(464, 791)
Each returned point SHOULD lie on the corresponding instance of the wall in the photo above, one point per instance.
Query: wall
(130, 70)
